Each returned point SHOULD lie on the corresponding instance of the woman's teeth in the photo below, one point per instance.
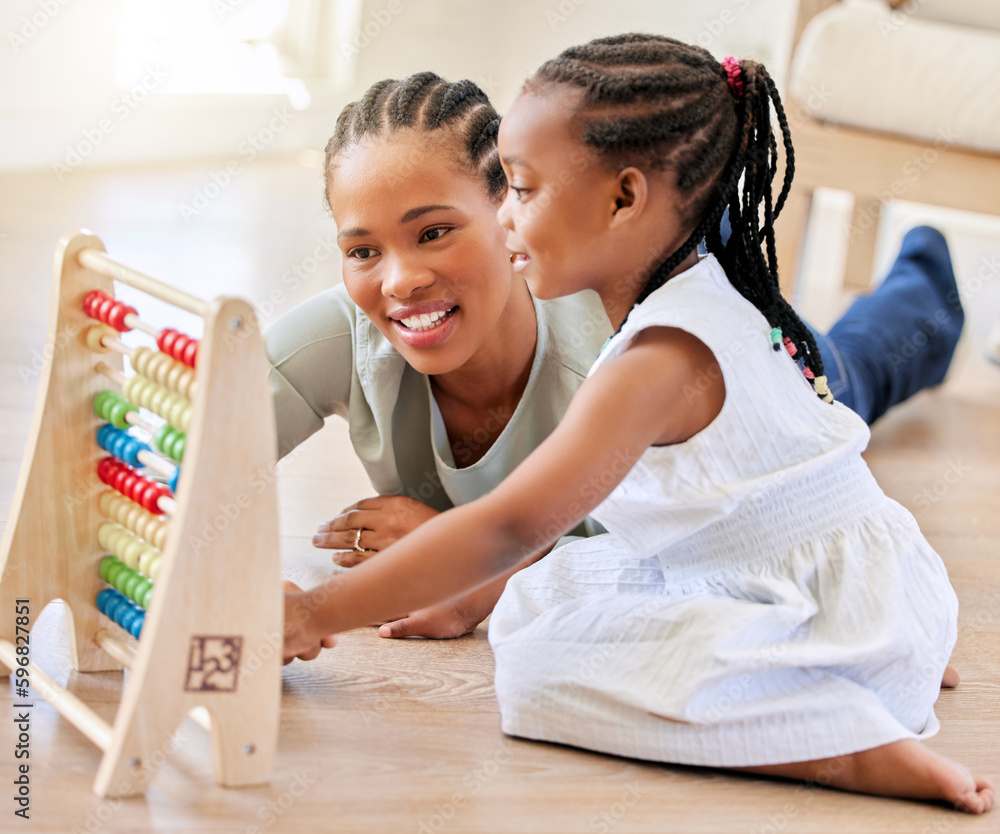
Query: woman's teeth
(425, 321)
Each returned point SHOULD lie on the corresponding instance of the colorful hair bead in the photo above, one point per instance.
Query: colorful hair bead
(734, 75)
(822, 389)
(776, 338)
(790, 347)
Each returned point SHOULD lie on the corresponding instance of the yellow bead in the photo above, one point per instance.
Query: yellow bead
(96, 333)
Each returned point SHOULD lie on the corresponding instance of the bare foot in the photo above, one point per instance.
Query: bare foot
(904, 768)
(950, 678)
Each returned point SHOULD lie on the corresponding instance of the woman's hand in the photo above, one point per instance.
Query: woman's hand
(300, 639)
(382, 521)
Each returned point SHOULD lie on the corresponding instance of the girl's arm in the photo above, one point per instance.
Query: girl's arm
(650, 394)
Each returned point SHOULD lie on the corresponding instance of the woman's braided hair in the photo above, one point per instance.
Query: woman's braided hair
(658, 103)
(426, 102)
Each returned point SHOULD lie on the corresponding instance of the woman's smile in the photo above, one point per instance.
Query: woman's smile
(424, 325)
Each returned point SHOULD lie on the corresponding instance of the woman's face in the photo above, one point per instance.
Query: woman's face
(424, 257)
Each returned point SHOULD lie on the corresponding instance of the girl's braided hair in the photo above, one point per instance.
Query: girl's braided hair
(665, 105)
(426, 102)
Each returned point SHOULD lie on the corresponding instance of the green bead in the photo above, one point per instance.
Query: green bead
(144, 593)
(100, 404)
(130, 584)
(114, 571)
(106, 564)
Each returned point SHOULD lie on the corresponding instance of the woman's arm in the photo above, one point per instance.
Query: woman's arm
(311, 353)
(640, 398)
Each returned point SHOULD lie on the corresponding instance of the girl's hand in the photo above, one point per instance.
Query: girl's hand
(300, 640)
(382, 520)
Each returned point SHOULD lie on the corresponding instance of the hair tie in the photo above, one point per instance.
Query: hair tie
(734, 75)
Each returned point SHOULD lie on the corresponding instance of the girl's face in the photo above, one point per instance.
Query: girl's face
(559, 200)
(573, 222)
(424, 257)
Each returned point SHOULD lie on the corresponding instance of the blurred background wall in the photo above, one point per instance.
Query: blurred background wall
(86, 82)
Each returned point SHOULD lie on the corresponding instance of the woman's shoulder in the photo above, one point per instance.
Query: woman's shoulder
(328, 323)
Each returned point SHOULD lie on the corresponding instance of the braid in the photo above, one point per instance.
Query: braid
(667, 106)
(425, 102)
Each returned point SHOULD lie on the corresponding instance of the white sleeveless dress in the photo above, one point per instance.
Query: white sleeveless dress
(757, 599)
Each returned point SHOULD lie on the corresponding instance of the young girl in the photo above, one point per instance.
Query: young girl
(758, 603)
(442, 417)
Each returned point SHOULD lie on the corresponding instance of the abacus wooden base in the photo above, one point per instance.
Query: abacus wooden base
(213, 631)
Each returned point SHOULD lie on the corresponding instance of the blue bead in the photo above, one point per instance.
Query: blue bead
(115, 606)
(136, 629)
(173, 480)
(103, 598)
(127, 618)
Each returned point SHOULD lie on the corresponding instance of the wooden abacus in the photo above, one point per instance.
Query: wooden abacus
(209, 644)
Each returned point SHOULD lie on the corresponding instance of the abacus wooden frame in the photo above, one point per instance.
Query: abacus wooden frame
(219, 581)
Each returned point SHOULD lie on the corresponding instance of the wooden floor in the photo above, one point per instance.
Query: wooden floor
(405, 736)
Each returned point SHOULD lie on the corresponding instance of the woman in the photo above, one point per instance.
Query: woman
(447, 370)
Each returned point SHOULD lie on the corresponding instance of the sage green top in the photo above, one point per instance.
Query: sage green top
(328, 358)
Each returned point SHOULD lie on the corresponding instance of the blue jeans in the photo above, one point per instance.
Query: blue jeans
(900, 339)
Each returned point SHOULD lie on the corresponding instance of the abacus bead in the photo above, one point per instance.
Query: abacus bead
(113, 571)
(133, 549)
(103, 308)
(114, 606)
(136, 629)
(146, 560)
(118, 411)
(145, 593)
(154, 568)
(103, 597)
(127, 617)
(190, 355)
(89, 301)
(165, 341)
(150, 499)
(94, 336)
(180, 415)
(130, 583)
(158, 399)
(105, 565)
(117, 315)
(173, 479)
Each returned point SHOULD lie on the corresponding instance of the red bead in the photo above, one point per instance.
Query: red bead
(165, 341)
(104, 308)
(190, 354)
(90, 302)
(117, 317)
